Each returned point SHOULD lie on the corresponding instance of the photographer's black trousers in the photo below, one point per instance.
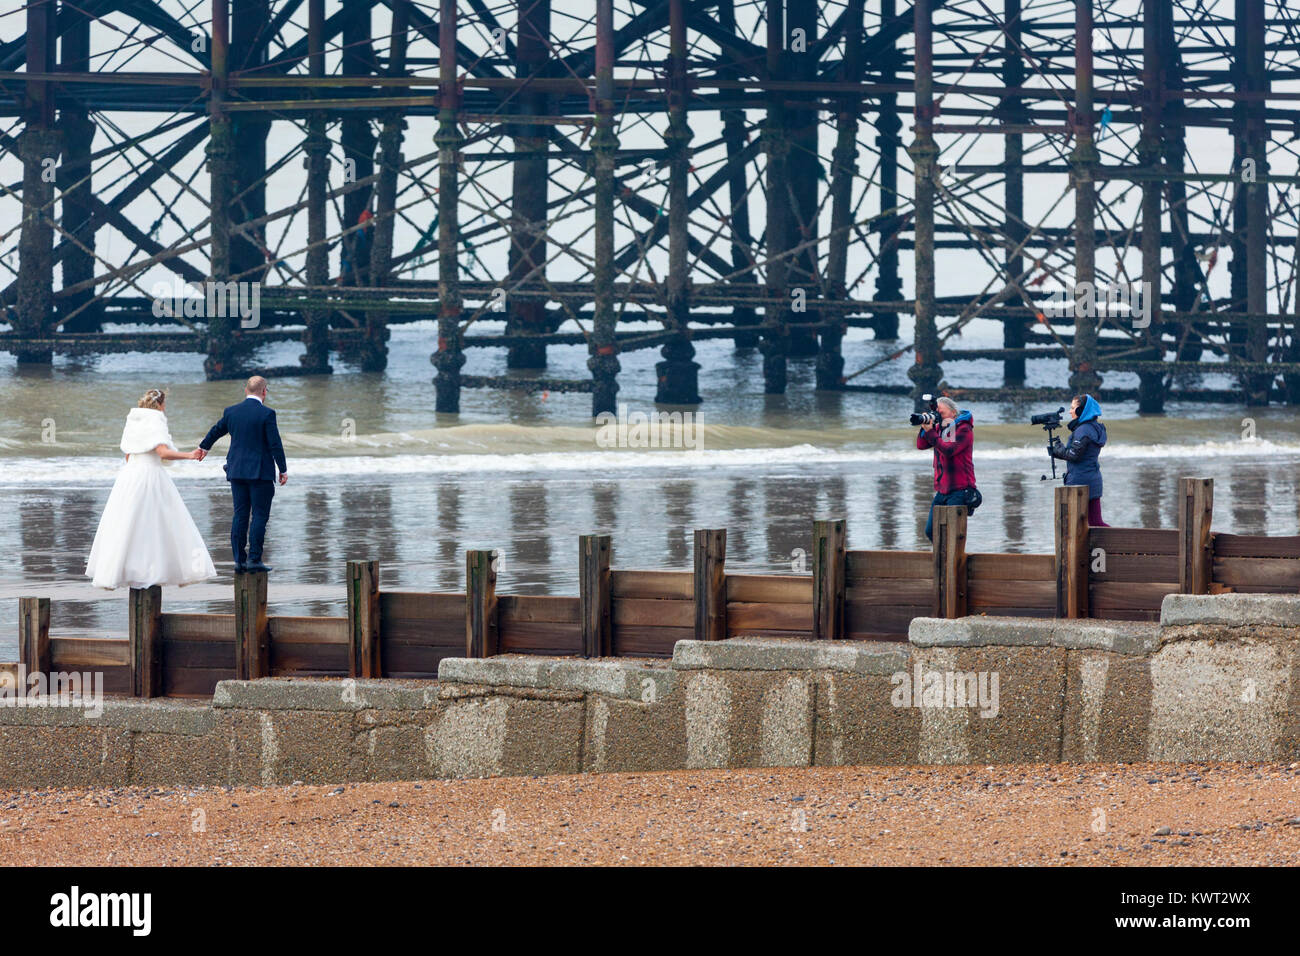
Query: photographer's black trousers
(951, 498)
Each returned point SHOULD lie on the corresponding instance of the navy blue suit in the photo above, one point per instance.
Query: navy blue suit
(255, 453)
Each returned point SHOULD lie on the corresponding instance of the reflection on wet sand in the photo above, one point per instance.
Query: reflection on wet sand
(418, 527)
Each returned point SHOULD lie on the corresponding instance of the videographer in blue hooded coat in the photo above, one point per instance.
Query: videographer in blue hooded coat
(1087, 438)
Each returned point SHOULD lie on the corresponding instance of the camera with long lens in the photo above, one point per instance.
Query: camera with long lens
(1050, 422)
(926, 418)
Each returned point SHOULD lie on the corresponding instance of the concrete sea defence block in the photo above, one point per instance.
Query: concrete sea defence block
(1108, 707)
(626, 679)
(857, 724)
(1232, 610)
(1120, 637)
(784, 654)
(986, 704)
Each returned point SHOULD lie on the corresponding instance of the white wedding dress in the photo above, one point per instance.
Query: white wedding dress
(146, 535)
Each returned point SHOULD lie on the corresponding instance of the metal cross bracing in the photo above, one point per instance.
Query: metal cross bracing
(771, 172)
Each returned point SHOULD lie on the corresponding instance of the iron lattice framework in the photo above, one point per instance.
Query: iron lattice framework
(723, 169)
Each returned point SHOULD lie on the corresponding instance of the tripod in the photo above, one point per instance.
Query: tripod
(1050, 428)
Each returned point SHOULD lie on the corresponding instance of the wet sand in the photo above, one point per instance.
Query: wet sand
(1105, 815)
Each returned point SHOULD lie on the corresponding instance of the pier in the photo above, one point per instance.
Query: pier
(758, 173)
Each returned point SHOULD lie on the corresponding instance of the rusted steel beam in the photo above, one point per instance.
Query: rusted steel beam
(1255, 69)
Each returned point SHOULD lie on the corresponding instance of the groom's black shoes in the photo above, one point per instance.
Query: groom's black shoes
(256, 566)
(239, 568)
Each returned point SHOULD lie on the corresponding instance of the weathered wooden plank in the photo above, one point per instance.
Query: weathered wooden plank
(881, 619)
(1246, 574)
(949, 557)
(287, 629)
(653, 584)
(546, 609)
(198, 627)
(398, 606)
(594, 595)
(180, 655)
(481, 630)
(743, 617)
(144, 611)
(540, 637)
(309, 660)
(1039, 595)
(1108, 597)
(78, 653)
(710, 584)
(1072, 554)
(1256, 546)
(891, 591)
(194, 682)
(252, 638)
(888, 564)
(364, 620)
(1134, 567)
(828, 579)
(34, 634)
(769, 589)
(1195, 512)
(982, 566)
(646, 612)
(641, 641)
(1133, 540)
(419, 660)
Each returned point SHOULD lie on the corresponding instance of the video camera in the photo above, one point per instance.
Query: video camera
(1050, 422)
(926, 418)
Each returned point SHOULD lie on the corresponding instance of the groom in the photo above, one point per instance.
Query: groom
(255, 451)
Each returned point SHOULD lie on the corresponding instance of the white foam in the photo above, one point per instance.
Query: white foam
(96, 470)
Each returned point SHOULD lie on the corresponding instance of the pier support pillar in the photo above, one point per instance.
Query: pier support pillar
(1258, 384)
(889, 284)
(316, 335)
(450, 356)
(678, 373)
(220, 339)
(602, 358)
(1083, 163)
(1014, 327)
(1151, 385)
(39, 146)
(805, 171)
(736, 139)
(526, 257)
(78, 312)
(926, 373)
(775, 344)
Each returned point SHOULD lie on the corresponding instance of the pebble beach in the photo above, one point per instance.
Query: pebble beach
(1068, 815)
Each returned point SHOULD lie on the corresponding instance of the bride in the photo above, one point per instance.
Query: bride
(146, 535)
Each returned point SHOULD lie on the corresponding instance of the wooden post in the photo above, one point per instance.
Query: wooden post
(363, 619)
(1072, 551)
(34, 634)
(949, 546)
(146, 641)
(828, 579)
(1195, 544)
(710, 584)
(480, 604)
(594, 593)
(252, 635)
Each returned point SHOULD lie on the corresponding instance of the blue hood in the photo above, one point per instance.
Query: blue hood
(964, 416)
(1090, 410)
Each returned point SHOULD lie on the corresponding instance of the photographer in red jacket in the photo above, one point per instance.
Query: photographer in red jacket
(952, 436)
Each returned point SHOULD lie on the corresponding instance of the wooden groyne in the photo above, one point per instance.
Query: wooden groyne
(1111, 573)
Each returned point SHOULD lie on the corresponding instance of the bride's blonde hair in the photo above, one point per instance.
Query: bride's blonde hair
(154, 398)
